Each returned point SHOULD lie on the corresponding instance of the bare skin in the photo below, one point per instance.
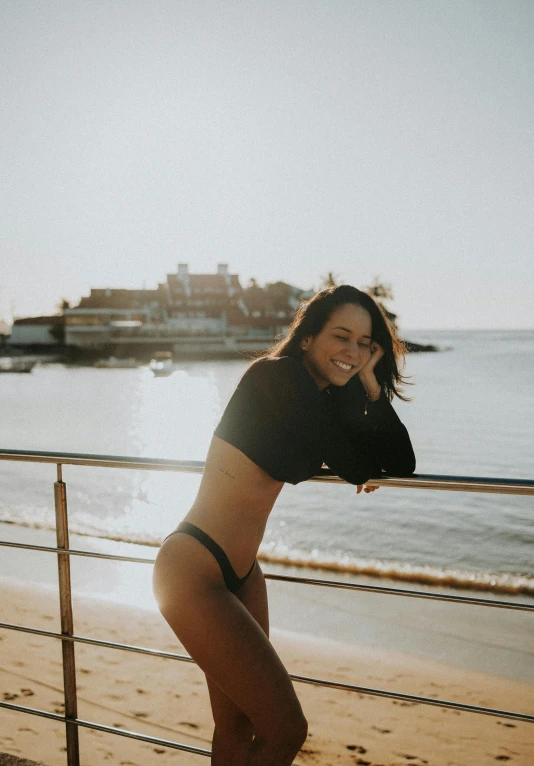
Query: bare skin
(258, 718)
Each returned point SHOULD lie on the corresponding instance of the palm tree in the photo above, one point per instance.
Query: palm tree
(330, 280)
(381, 292)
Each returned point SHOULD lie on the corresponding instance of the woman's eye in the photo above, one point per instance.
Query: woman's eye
(365, 345)
(340, 337)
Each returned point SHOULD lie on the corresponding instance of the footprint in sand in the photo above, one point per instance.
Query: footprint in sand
(508, 725)
(502, 758)
(27, 692)
(140, 715)
(9, 696)
(381, 731)
(356, 748)
(187, 723)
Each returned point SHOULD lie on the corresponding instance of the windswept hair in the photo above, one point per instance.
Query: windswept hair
(312, 315)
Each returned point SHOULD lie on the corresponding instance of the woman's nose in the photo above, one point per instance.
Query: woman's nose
(354, 351)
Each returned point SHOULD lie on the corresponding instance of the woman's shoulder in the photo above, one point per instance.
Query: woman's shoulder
(281, 377)
(279, 368)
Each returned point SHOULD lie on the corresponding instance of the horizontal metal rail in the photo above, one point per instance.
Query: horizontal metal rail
(96, 642)
(107, 729)
(300, 679)
(306, 580)
(416, 481)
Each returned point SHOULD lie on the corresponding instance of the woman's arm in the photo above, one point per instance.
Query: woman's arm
(290, 418)
(363, 408)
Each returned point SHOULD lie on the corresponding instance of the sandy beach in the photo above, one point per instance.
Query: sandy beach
(168, 699)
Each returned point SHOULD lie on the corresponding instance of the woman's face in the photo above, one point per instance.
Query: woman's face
(342, 347)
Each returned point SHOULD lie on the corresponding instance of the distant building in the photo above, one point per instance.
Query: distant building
(108, 311)
(186, 312)
(184, 306)
(37, 331)
(273, 307)
(203, 304)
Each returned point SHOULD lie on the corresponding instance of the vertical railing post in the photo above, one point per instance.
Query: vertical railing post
(67, 624)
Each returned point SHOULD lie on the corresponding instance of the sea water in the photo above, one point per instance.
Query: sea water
(472, 414)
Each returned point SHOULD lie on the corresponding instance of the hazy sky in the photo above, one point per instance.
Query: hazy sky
(287, 138)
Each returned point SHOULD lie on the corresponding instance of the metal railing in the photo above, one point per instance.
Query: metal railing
(68, 638)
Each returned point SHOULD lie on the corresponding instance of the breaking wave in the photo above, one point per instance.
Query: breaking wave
(321, 561)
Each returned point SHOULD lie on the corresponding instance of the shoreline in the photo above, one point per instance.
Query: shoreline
(482, 584)
(474, 638)
(184, 348)
(168, 699)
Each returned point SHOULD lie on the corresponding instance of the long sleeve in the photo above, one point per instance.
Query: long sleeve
(386, 435)
(280, 420)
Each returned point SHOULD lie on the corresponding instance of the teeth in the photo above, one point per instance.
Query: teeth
(341, 365)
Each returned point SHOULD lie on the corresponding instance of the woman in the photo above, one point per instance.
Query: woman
(322, 395)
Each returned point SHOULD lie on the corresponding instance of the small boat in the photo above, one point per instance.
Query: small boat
(162, 365)
(113, 362)
(12, 364)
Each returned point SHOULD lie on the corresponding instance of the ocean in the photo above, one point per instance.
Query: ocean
(472, 414)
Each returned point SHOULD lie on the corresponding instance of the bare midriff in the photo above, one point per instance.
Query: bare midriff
(233, 503)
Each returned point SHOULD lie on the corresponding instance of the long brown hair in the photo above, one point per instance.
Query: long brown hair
(312, 315)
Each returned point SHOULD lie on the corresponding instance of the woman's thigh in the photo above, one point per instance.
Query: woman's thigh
(253, 595)
(225, 639)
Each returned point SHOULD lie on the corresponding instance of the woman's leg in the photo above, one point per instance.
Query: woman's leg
(234, 732)
(231, 648)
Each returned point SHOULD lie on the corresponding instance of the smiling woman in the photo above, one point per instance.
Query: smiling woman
(335, 324)
(323, 395)
(342, 348)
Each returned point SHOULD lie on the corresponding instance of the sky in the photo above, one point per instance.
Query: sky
(287, 138)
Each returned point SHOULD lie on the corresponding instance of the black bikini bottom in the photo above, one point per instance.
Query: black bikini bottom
(231, 580)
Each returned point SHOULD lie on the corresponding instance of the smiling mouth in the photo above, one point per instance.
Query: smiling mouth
(342, 365)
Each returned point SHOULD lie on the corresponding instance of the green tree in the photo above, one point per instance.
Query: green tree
(58, 333)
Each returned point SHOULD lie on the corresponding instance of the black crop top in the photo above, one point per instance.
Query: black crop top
(280, 419)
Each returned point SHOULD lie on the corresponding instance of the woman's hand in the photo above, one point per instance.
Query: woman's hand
(365, 487)
(367, 373)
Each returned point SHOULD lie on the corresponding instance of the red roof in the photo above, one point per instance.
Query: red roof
(54, 319)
